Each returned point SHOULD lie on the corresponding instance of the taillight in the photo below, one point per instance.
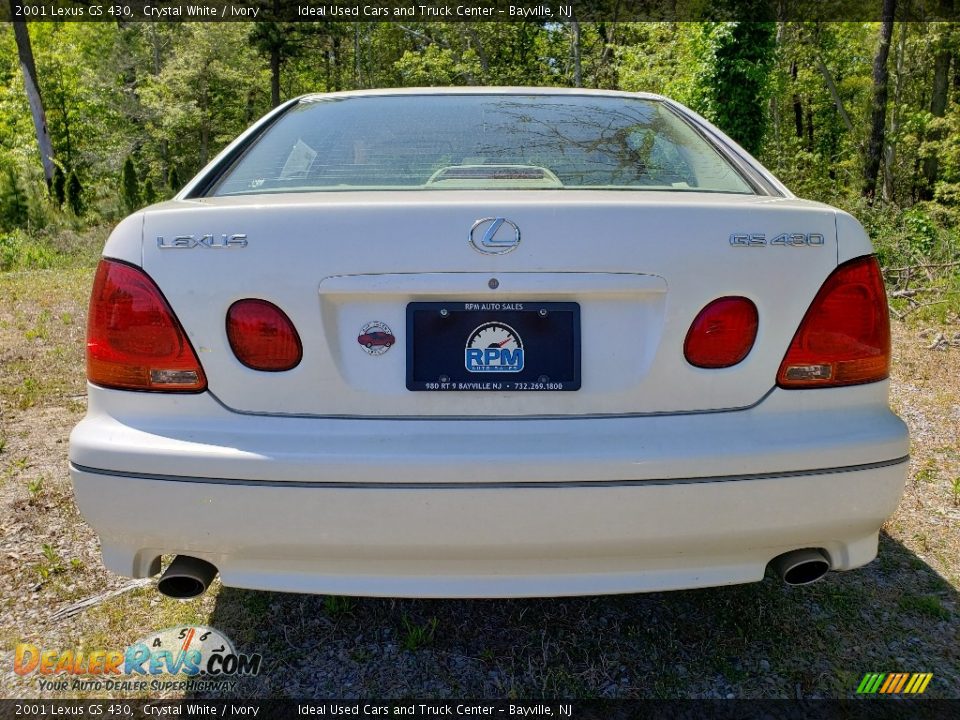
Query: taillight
(844, 338)
(722, 334)
(262, 336)
(134, 341)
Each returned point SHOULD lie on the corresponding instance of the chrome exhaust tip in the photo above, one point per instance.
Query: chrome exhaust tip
(186, 577)
(801, 567)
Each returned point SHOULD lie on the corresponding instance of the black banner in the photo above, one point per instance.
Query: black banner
(865, 709)
(546, 11)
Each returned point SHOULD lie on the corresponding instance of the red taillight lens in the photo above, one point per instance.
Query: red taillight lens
(844, 338)
(262, 336)
(134, 341)
(722, 334)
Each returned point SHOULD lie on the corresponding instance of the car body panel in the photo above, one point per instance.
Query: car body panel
(414, 248)
(491, 542)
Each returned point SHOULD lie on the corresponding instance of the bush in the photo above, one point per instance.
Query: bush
(14, 206)
(75, 194)
(129, 186)
(58, 186)
(18, 251)
(149, 194)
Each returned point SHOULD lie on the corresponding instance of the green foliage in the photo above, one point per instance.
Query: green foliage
(14, 208)
(18, 251)
(336, 606)
(735, 60)
(439, 66)
(202, 97)
(648, 61)
(149, 193)
(58, 186)
(927, 605)
(75, 194)
(921, 234)
(129, 186)
(417, 636)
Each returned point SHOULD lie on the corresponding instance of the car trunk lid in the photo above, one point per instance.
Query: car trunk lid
(638, 265)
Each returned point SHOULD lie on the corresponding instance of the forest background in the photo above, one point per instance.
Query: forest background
(861, 115)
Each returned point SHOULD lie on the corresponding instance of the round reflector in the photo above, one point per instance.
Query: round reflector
(722, 334)
(262, 336)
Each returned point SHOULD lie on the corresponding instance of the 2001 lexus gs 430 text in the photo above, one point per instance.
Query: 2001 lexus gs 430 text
(487, 343)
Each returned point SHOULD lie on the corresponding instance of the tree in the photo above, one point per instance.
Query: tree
(202, 99)
(878, 112)
(735, 63)
(59, 187)
(938, 108)
(130, 186)
(29, 69)
(149, 193)
(279, 41)
(75, 194)
(14, 209)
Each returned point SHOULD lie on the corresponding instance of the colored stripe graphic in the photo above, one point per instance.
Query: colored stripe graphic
(901, 681)
(891, 679)
(894, 683)
(868, 683)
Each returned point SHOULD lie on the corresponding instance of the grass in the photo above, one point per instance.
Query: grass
(35, 486)
(755, 641)
(40, 365)
(335, 606)
(926, 605)
(415, 635)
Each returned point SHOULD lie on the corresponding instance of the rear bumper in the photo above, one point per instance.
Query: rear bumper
(472, 508)
(491, 541)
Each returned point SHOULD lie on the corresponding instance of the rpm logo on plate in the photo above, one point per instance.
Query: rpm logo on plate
(494, 347)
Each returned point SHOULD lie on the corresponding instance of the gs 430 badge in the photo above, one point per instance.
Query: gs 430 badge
(493, 346)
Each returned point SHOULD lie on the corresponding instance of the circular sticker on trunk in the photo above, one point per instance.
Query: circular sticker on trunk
(376, 338)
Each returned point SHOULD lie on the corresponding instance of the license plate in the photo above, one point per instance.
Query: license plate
(489, 346)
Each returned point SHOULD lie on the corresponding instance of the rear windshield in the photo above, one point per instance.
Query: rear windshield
(442, 142)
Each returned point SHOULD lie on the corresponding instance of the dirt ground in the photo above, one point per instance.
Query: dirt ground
(900, 613)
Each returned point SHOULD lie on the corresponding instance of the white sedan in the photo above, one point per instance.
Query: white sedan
(486, 342)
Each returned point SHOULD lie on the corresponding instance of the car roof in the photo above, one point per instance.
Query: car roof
(469, 90)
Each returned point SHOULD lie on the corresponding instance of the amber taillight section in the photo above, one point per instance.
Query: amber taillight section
(844, 339)
(134, 340)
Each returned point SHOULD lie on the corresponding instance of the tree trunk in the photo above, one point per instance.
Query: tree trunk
(938, 108)
(956, 74)
(835, 94)
(878, 113)
(477, 45)
(575, 52)
(29, 69)
(275, 75)
(336, 63)
(890, 152)
(797, 103)
(164, 147)
(356, 56)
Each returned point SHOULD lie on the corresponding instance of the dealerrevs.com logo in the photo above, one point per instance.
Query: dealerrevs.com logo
(204, 656)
